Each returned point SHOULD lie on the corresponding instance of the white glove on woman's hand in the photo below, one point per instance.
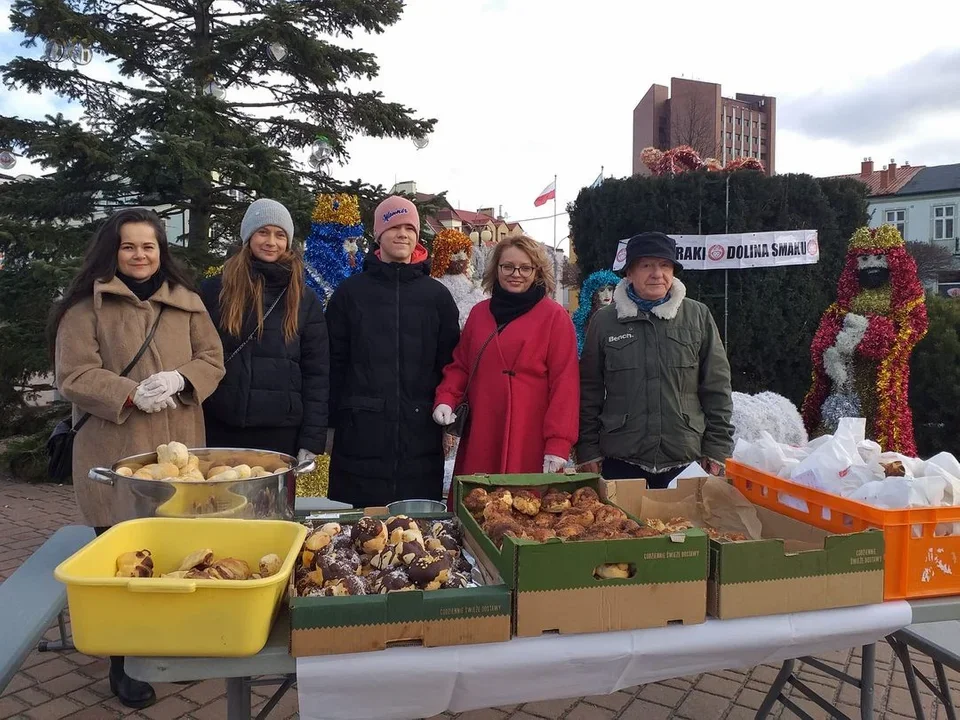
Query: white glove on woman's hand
(444, 415)
(303, 455)
(553, 464)
(162, 384)
(152, 403)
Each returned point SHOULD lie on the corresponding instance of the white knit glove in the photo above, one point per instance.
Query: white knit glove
(553, 464)
(162, 385)
(303, 455)
(444, 415)
(152, 403)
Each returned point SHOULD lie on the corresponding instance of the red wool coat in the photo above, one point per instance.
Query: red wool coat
(525, 396)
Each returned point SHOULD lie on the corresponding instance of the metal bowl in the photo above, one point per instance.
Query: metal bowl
(410, 507)
(268, 497)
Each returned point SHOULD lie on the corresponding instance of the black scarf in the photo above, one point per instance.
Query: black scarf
(143, 289)
(507, 306)
(276, 275)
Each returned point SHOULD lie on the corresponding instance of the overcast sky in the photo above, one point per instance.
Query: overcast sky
(525, 89)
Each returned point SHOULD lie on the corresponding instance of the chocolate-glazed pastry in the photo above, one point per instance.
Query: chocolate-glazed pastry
(409, 551)
(476, 500)
(369, 535)
(398, 525)
(342, 540)
(443, 544)
(331, 528)
(371, 581)
(555, 501)
(317, 541)
(314, 578)
(429, 572)
(349, 557)
(351, 584)
(331, 591)
(395, 580)
(584, 496)
(456, 580)
(334, 569)
(526, 502)
(451, 527)
(386, 558)
(461, 564)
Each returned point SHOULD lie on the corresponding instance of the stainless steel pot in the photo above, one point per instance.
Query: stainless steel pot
(269, 497)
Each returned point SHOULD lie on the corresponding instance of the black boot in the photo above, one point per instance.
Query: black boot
(132, 693)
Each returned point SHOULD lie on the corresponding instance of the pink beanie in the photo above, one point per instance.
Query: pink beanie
(395, 211)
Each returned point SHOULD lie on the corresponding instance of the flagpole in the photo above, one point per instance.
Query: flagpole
(554, 213)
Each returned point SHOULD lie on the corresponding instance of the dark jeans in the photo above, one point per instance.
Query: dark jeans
(614, 469)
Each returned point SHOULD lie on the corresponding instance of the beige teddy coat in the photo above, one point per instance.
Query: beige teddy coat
(96, 338)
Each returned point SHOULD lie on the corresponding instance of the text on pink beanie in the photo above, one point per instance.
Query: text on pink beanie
(395, 211)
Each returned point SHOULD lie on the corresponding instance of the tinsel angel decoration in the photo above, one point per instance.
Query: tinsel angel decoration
(331, 254)
(451, 265)
(595, 293)
(861, 351)
(332, 251)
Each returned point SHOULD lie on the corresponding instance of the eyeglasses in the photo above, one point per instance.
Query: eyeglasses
(524, 271)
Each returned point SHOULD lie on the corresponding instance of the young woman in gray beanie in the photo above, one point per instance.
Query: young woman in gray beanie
(274, 395)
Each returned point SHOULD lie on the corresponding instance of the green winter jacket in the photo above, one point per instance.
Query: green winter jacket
(654, 387)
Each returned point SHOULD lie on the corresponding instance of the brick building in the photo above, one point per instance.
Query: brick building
(694, 113)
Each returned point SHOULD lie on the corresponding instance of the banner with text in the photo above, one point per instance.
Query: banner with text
(740, 251)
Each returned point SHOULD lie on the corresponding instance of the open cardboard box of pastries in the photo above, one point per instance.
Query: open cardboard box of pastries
(556, 584)
(785, 565)
(322, 625)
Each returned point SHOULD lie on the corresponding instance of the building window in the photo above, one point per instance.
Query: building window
(944, 226)
(738, 121)
(898, 218)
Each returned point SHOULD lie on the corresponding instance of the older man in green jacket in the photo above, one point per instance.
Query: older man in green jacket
(654, 377)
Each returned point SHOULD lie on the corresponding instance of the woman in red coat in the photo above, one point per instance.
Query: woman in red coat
(524, 395)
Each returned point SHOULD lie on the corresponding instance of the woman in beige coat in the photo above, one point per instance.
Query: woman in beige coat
(127, 277)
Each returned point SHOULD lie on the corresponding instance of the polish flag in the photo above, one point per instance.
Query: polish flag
(548, 193)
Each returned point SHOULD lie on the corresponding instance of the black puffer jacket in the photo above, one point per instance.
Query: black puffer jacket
(392, 330)
(271, 383)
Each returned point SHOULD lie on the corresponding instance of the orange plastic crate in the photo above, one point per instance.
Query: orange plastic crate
(916, 564)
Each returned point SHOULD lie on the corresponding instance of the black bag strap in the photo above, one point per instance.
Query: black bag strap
(476, 363)
(130, 365)
(254, 332)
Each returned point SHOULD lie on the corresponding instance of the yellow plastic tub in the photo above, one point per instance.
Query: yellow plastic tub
(177, 617)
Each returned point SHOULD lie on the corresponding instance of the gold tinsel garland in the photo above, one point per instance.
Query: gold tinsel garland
(875, 301)
(337, 209)
(317, 483)
(448, 242)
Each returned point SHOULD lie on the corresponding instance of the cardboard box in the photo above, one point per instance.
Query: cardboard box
(334, 625)
(794, 567)
(553, 582)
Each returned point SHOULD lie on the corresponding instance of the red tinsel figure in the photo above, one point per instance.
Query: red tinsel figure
(896, 319)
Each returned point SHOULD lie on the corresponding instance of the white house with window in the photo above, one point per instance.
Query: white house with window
(925, 209)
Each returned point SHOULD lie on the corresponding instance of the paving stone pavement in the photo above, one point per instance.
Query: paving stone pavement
(71, 685)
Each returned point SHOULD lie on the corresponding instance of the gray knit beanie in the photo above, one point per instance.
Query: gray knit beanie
(265, 212)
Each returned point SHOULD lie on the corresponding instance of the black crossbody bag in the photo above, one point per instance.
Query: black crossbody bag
(462, 411)
(60, 442)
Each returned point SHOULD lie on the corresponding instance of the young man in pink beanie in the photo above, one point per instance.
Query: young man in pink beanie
(392, 329)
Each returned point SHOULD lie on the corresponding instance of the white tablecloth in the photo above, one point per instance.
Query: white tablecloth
(413, 682)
